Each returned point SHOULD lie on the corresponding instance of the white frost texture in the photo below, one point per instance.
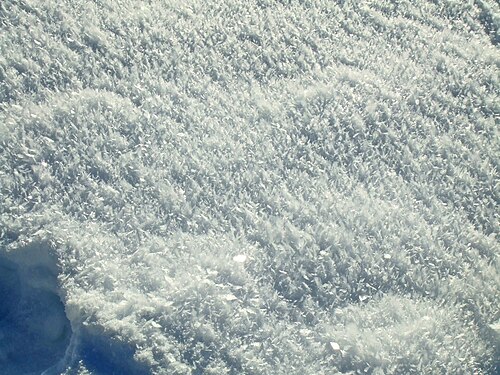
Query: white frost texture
(249, 187)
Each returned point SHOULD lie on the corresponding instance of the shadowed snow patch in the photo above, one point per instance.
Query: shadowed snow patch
(105, 355)
(34, 330)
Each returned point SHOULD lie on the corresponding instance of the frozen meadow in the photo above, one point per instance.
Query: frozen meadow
(249, 187)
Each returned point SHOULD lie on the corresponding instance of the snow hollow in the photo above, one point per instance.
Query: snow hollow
(34, 330)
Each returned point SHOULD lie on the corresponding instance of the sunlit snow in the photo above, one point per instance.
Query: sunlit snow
(241, 258)
(259, 187)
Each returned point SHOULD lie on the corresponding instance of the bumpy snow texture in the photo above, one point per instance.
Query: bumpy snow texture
(249, 187)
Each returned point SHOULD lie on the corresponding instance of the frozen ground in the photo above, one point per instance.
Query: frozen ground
(249, 187)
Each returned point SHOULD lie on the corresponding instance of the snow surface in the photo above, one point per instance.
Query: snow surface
(249, 187)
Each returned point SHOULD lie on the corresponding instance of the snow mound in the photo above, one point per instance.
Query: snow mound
(33, 323)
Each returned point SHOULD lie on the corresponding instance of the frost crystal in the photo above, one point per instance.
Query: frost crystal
(334, 346)
(241, 258)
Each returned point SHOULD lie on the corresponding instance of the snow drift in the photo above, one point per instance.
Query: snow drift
(249, 187)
